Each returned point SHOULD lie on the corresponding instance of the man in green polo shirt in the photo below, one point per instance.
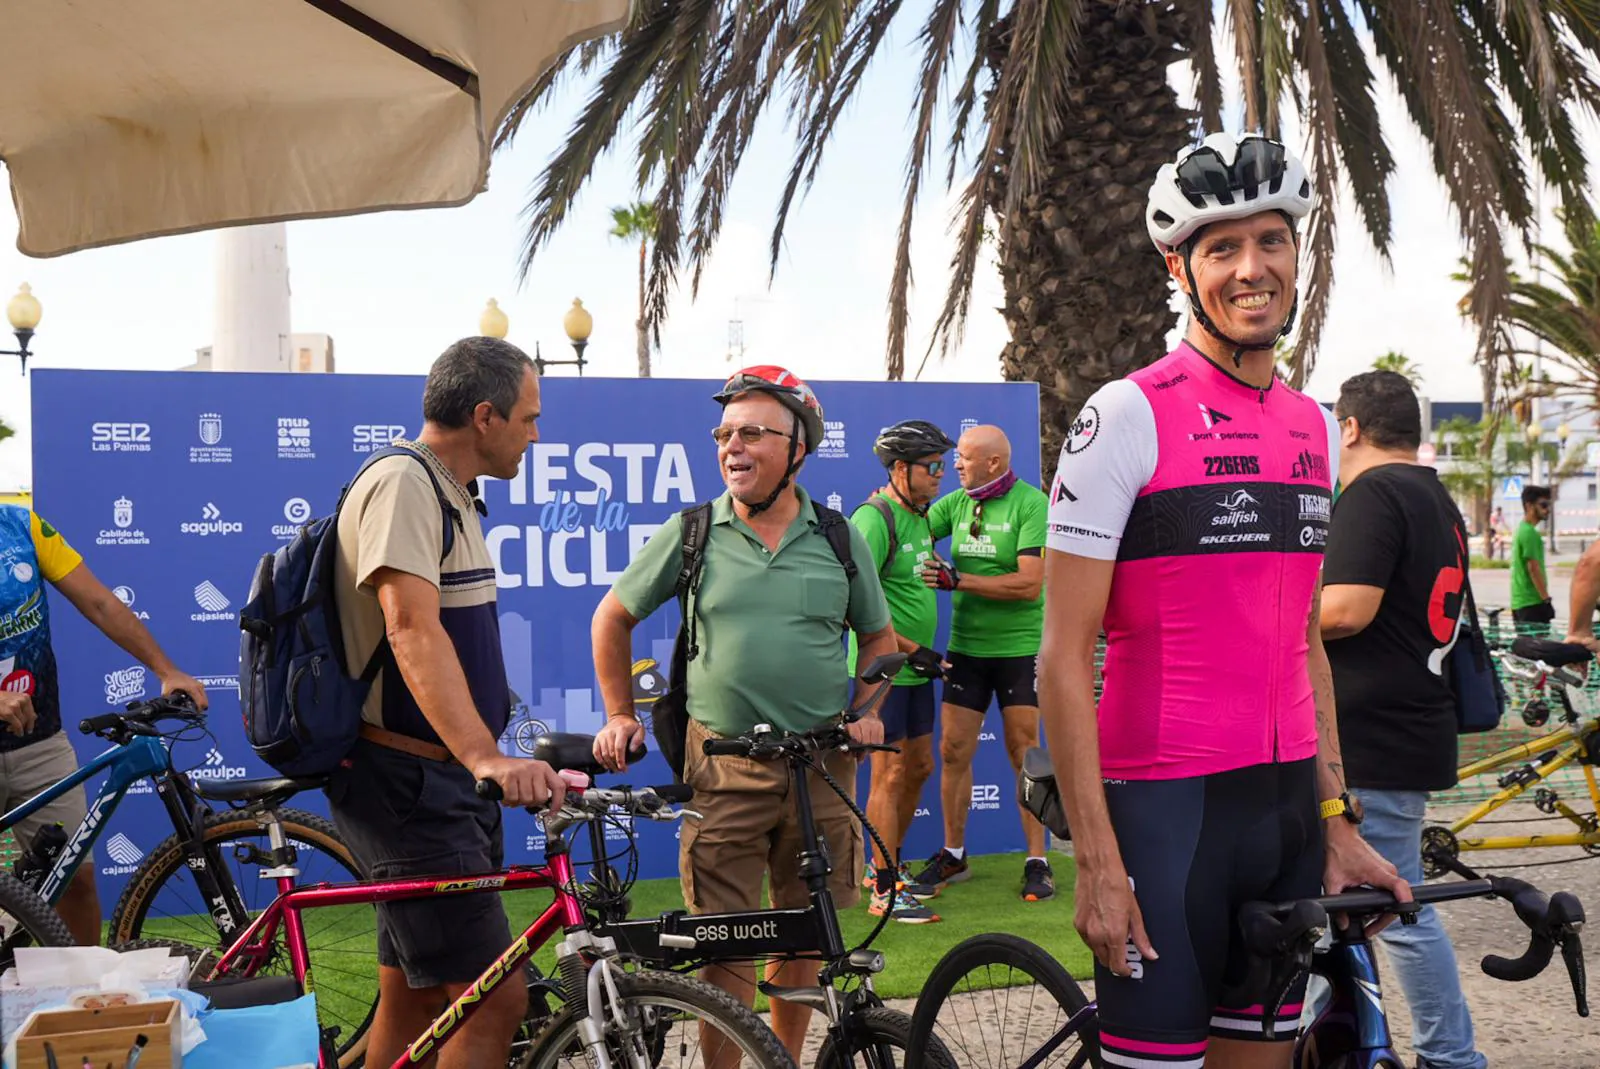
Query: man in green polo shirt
(772, 607)
(894, 522)
(1531, 606)
(997, 528)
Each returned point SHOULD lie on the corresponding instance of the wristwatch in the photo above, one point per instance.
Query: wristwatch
(1342, 806)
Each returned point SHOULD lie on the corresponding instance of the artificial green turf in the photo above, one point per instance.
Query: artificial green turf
(988, 902)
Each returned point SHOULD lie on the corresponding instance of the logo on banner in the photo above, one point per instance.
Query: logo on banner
(369, 437)
(297, 510)
(125, 595)
(213, 601)
(209, 452)
(968, 424)
(121, 850)
(985, 796)
(216, 767)
(294, 438)
(124, 533)
(219, 682)
(211, 523)
(124, 685)
(833, 444)
(119, 437)
(835, 502)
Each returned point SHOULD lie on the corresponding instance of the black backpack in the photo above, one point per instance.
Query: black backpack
(876, 501)
(669, 717)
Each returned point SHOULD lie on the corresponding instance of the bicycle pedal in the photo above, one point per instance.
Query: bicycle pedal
(1545, 799)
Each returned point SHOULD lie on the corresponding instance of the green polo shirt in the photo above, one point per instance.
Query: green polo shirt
(770, 623)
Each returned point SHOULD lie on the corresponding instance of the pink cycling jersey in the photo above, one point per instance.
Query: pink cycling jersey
(1213, 497)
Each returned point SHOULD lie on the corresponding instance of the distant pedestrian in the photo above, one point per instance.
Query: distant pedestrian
(1531, 606)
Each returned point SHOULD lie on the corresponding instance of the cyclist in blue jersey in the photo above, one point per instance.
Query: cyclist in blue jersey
(1187, 519)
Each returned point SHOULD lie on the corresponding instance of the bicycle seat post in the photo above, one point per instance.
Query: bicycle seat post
(283, 852)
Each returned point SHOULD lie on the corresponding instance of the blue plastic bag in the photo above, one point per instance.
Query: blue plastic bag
(258, 1037)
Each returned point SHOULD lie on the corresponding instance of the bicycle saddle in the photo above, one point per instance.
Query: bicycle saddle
(1555, 654)
(1040, 794)
(273, 792)
(568, 749)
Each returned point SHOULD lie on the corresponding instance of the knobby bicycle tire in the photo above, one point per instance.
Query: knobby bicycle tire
(882, 1040)
(760, 1048)
(344, 969)
(1020, 958)
(26, 920)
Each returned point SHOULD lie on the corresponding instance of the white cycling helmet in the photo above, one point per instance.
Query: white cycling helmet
(1224, 178)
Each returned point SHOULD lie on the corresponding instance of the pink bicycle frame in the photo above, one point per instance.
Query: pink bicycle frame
(254, 946)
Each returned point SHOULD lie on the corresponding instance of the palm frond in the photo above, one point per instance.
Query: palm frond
(1242, 19)
(1044, 41)
(1321, 122)
(1277, 65)
(1363, 151)
(966, 98)
(1203, 58)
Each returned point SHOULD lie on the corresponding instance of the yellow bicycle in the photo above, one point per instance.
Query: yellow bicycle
(1529, 766)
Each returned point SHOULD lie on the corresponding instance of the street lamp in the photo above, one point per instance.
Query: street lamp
(578, 324)
(492, 323)
(24, 313)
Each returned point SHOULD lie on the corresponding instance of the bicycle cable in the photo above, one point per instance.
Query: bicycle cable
(877, 839)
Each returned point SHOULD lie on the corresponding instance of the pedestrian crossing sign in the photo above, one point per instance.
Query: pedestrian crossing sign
(1511, 489)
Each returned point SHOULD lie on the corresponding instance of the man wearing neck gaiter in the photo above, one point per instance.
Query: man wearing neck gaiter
(996, 526)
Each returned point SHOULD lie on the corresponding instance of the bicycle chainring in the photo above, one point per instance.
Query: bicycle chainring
(1438, 841)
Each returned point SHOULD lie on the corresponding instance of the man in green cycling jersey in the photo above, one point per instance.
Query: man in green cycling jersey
(894, 522)
(996, 524)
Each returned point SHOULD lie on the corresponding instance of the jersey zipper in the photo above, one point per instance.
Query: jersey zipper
(1277, 632)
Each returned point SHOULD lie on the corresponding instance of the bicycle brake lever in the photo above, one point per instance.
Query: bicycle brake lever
(1572, 955)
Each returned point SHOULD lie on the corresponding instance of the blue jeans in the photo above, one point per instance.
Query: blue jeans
(1421, 954)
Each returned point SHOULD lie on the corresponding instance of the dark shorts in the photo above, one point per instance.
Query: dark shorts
(907, 713)
(403, 817)
(1196, 850)
(1534, 619)
(973, 682)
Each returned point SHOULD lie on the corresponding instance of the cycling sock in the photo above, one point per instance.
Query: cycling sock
(957, 852)
(1037, 858)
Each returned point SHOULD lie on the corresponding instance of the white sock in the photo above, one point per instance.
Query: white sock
(957, 852)
(1045, 860)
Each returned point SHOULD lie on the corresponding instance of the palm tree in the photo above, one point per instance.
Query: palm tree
(1059, 113)
(5, 432)
(1563, 315)
(1471, 473)
(638, 220)
(1400, 364)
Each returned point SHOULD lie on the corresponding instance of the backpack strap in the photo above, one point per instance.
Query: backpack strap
(696, 522)
(832, 525)
(877, 501)
(451, 517)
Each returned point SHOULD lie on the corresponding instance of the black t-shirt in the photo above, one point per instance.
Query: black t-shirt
(1396, 528)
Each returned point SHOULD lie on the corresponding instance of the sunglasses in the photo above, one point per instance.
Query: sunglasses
(977, 520)
(750, 433)
(935, 467)
(1259, 161)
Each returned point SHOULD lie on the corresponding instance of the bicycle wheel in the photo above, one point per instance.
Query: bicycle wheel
(881, 1039)
(995, 1000)
(26, 920)
(670, 1017)
(162, 901)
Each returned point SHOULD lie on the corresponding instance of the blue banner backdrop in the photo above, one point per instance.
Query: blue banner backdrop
(173, 484)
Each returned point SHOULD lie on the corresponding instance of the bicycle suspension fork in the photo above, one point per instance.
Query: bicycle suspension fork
(203, 860)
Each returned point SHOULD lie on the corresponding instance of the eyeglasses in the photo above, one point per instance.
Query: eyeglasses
(977, 520)
(1259, 161)
(935, 467)
(750, 433)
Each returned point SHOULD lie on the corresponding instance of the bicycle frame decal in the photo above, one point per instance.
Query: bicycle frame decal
(719, 936)
(125, 765)
(505, 965)
(481, 883)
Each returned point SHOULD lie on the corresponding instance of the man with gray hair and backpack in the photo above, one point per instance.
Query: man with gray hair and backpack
(894, 522)
(773, 585)
(415, 589)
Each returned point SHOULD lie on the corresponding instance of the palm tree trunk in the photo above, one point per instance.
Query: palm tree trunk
(1086, 295)
(641, 332)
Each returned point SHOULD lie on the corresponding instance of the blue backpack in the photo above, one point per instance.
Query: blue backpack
(302, 713)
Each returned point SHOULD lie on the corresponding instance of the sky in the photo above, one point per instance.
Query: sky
(393, 289)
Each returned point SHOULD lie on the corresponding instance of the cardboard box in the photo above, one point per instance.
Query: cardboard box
(104, 1036)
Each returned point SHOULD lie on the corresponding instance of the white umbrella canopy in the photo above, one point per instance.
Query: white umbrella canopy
(126, 119)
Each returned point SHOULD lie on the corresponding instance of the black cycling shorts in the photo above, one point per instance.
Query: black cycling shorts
(973, 682)
(908, 712)
(1196, 850)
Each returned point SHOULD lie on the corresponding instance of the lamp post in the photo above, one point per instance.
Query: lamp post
(24, 312)
(1563, 432)
(492, 322)
(578, 323)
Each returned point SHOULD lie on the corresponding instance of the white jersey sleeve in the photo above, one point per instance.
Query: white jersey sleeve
(1333, 448)
(1109, 456)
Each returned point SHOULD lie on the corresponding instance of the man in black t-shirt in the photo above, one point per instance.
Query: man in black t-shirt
(1393, 589)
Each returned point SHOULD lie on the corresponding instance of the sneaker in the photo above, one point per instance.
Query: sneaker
(942, 868)
(906, 910)
(906, 883)
(1038, 882)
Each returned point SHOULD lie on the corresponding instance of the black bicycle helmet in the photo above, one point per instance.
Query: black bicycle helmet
(910, 439)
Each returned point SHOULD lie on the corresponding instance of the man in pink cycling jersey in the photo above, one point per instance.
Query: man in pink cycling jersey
(1188, 515)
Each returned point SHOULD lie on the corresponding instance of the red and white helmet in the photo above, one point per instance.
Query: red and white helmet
(1224, 178)
(788, 388)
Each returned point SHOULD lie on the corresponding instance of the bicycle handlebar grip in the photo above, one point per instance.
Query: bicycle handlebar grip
(1531, 964)
(674, 793)
(488, 790)
(93, 725)
(725, 748)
